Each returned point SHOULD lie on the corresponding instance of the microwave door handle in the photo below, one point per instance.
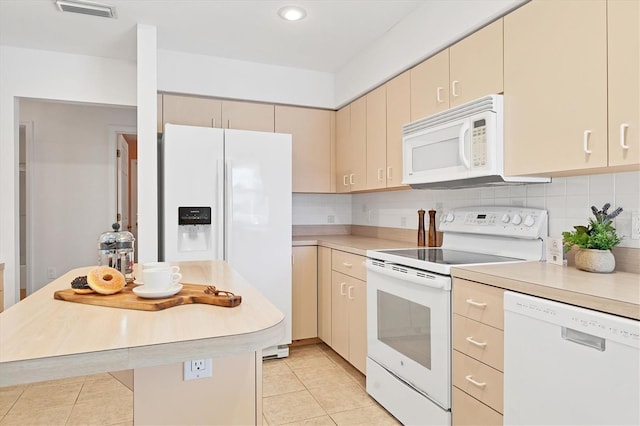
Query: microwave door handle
(463, 130)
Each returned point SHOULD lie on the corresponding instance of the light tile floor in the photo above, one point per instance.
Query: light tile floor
(313, 386)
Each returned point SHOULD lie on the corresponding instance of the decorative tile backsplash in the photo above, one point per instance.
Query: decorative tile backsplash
(568, 201)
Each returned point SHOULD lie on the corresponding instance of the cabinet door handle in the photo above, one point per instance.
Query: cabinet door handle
(228, 124)
(213, 122)
(477, 304)
(585, 141)
(352, 178)
(623, 127)
(350, 296)
(469, 378)
(475, 342)
(454, 84)
(380, 174)
(389, 174)
(342, 293)
(293, 259)
(347, 264)
(439, 95)
(344, 180)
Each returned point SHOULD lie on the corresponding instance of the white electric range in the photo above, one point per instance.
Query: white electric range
(409, 305)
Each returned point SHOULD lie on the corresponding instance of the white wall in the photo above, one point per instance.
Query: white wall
(211, 76)
(71, 170)
(568, 201)
(45, 75)
(430, 28)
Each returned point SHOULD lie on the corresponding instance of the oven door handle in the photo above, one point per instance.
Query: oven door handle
(437, 282)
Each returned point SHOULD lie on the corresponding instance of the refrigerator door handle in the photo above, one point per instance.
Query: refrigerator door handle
(228, 206)
(219, 225)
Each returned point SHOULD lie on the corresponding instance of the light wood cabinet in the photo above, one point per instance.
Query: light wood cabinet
(623, 30)
(191, 111)
(304, 292)
(398, 113)
(478, 354)
(468, 70)
(242, 115)
(312, 146)
(349, 308)
(324, 294)
(376, 136)
(555, 86)
(351, 146)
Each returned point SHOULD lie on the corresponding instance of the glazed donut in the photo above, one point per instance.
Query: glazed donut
(105, 280)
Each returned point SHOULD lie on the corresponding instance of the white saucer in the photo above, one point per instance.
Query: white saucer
(156, 294)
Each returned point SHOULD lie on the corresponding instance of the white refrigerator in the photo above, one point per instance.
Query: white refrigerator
(226, 194)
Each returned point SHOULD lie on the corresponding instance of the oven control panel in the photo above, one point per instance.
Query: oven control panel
(508, 221)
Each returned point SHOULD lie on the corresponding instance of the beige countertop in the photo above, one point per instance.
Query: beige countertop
(42, 338)
(350, 243)
(617, 293)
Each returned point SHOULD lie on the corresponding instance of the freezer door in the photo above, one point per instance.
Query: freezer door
(192, 176)
(258, 213)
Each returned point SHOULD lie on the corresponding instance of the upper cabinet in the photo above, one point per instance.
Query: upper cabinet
(191, 111)
(351, 146)
(398, 114)
(555, 87)
(247, 116)
(313, 146)
(468, 70)
(623, 25)
(376, 135)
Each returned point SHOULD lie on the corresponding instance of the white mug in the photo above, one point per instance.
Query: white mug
(160, 265)
(160, 278)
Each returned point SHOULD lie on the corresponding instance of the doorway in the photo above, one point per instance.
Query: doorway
(127, 184)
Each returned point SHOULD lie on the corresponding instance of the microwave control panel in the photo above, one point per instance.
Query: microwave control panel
(479, 143)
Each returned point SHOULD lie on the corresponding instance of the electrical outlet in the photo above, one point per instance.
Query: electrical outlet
(635, 225)
(403, 221)
(197, 369)
(331, 218)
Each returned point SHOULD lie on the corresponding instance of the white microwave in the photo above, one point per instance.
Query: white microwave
(459, 147)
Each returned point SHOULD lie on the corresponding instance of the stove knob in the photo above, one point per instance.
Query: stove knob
(450, 217)
(529, 220)
(517, 219)
(506, 218)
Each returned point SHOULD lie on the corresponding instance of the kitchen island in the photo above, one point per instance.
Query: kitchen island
(42, 339)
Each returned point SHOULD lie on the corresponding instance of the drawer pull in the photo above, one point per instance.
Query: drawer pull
(478, 304)
(478, 384)
(475, 342)
(347, 264)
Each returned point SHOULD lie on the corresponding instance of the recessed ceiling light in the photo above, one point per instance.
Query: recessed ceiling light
(86, 8)
(292, 13)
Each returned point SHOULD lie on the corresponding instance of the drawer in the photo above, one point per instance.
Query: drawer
(479, 341)
(478, 380)
(466, 410)
(479, 302)
(349, 264)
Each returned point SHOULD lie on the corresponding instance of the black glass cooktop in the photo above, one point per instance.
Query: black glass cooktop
(448, 257)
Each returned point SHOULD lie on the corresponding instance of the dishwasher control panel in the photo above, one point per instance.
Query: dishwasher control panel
(606, 326)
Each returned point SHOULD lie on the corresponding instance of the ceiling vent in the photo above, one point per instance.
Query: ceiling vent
(86, 8)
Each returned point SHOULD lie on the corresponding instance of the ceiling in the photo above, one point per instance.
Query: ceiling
(333, 32)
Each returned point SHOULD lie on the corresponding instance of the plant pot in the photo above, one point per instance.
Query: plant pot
(592, 260)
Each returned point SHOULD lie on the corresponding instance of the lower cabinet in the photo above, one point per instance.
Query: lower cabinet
(324, 294)
(304, 292)
(478, 354)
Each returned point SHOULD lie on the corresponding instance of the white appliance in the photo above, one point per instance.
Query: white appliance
(226, 194)
(566, 365)
(409, 305)
(460, 147)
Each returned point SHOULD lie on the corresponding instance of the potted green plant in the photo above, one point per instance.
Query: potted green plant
(595, 241)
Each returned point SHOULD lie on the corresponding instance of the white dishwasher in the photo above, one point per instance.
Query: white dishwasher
(565, 365)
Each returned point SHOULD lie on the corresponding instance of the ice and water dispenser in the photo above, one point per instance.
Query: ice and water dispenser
(194, 229)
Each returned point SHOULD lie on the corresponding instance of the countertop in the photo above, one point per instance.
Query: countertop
(350, 243)
(617, 293)
(42, 338)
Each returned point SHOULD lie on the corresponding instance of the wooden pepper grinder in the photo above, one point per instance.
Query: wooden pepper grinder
(432, 228)
(421, 239)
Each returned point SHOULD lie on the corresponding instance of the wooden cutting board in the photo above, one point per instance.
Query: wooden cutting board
(127, 299)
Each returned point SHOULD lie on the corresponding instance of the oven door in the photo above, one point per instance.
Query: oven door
(409, 327)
